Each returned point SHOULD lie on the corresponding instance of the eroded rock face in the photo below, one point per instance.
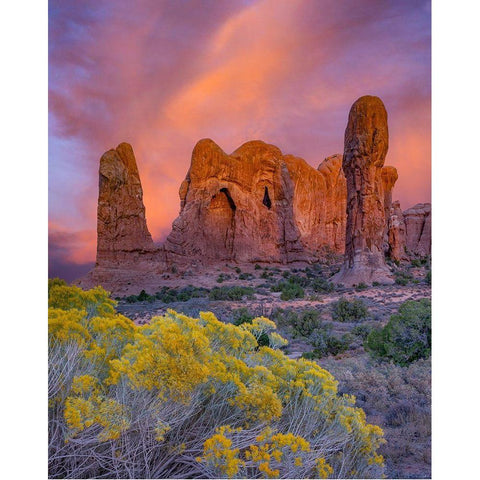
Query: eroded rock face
(418, 224)
(366, 145)
(259, 205)
(122, 233)
(256, 204)
(396, 233)
(389, 178)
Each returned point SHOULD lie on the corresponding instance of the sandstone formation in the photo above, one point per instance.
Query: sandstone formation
(396, 234)
(257, 205)
(418, 226)
(366, 145)
(122, 233)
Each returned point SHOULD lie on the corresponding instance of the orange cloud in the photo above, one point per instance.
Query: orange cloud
(162, 75)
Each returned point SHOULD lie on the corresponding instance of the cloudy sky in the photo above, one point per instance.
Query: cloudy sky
(162, 74)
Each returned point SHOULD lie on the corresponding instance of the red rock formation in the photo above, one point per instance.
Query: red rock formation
(257, 205)
(122, 233)
(366, 145)
(389, 178)
(125, 250)
(396, 233)
(418, 223)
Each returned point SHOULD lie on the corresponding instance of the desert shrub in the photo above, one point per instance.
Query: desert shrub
(325, 343)
(186, 397)
(290, 290)
(246, 276)
(361, 286)
(257, 267)
(406, 337)
(243, 315)
(428, 277)
(56, 282)
(345, 310)
(169, 295)
(284, 318)
(403, 278)
(143, 296)
(230, 293)
(299, 280)
(321, 285)
(266, 274)
(399, 398)
(305, 323)
(362, 330)
(403, 413)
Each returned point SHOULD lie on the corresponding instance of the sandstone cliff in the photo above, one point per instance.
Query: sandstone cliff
(257, 205)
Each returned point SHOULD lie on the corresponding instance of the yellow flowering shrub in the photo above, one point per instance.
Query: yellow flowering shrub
(95, 301)
(192, 397)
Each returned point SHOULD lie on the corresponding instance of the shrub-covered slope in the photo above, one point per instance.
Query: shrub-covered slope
(187, 397)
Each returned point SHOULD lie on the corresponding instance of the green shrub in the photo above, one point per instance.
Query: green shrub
(309, 355)
(428, 277)
(403, 278)
(169, 295)
(299, 280)
(245, 276)
(291, 291)
(407, 335)
(362, 330)
(257, 267)
(230, 293)
(322, 285)
(349, 311)
(306, 323)
(361, 286)
(324, 343)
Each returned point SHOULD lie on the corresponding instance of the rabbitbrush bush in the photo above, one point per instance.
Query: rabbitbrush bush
(189, 397)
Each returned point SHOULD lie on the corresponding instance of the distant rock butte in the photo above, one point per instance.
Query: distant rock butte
(259, 205)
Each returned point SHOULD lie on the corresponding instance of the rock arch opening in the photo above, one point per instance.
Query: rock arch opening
(266, 199)
(220, 225)
(229, 198)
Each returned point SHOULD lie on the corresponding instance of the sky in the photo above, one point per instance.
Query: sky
(163, 74)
